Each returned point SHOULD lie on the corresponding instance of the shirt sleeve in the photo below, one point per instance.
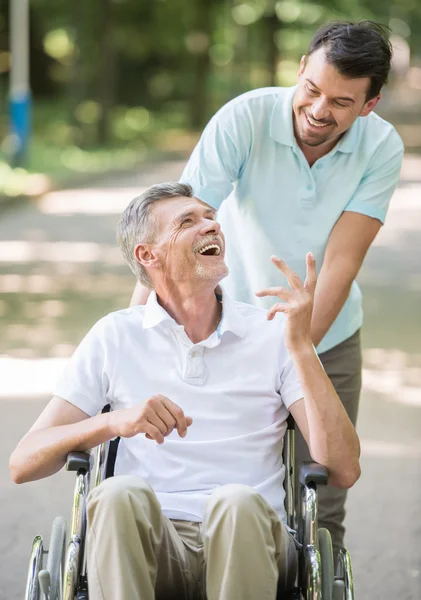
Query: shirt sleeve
(220, 155)
(377, 186)
(85, 381)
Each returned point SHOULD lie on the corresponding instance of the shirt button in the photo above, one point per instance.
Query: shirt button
(309, 188)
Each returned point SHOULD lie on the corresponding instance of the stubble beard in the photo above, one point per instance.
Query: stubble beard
(201, 272)
(207, 274)
(305, 139)
(312, 141)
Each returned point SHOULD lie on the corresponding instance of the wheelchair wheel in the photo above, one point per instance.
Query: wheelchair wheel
(56, 557)
(32, 591)
(326, 558)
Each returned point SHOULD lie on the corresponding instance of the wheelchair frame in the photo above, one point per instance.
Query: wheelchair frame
(316, 579)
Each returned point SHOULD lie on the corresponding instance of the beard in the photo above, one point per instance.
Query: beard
(211, 272)
(312, 139)
(183, 270)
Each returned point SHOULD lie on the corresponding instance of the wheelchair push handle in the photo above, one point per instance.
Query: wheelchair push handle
(79, 461)
(312, 472)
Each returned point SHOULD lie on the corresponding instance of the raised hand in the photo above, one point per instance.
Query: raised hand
(156, 418)
(297, 302)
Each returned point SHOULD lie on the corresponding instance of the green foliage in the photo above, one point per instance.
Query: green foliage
(114, 71)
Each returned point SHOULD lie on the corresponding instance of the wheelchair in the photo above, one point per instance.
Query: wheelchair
(64, 575)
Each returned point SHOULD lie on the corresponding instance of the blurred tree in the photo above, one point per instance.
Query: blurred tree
(272, 29)
(200, 37)
(106, 68)
(174, 62)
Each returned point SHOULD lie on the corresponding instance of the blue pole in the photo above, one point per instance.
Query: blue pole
(20, 94)
(20, 125)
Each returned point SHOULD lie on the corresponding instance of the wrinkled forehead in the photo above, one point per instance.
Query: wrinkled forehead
(166, 213)
(329, 81)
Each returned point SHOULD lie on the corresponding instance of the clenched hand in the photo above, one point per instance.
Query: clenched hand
(156, 418)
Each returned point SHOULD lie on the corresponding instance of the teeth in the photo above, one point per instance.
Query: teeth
(315, 124)
(217, 248)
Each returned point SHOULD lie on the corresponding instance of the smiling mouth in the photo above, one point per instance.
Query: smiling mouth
(316, 124)
(210, 250)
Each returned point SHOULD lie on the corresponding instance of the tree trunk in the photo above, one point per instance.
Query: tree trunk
(77, 85)
(201, 65)
(107, 69)
(272, 25)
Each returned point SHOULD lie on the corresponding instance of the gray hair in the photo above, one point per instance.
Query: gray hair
(136, 224)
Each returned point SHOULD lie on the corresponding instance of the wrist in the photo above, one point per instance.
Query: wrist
(302, 350)
(111, 425)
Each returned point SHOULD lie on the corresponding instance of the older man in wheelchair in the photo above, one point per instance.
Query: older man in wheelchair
(200, 390)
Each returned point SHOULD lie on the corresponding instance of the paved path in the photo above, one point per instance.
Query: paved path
(60, 271)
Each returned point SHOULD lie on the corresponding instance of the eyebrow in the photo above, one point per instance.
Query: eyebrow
(344, 98)
(191, 213)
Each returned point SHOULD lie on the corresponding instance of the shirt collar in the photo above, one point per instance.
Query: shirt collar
(231, 319)
(348, 142)
(282, 130)
(154, 313)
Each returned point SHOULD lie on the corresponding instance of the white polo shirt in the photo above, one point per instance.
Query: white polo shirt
(276, 204)
(237, 386)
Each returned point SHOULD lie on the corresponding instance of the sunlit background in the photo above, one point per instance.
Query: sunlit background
(114, 82)
(120, 92)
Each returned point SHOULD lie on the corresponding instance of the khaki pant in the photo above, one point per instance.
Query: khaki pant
(240, 552)
(343, 364)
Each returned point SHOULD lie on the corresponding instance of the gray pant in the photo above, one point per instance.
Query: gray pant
(343, 364)
(241, 551)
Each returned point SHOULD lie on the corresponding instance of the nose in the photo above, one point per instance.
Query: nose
(210, 226)
(320, 109)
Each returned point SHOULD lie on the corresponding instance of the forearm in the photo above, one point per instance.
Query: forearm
(140, 295)
(332, 290)
(332, 438)
(43, 452)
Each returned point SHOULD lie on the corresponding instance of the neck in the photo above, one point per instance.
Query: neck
(313, 153)
(198, 311)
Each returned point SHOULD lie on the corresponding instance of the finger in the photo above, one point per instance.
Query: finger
(278, 307)
(189, 422)
(279, 292)
(292, 277)
(156, 421)
(152, 433)
(311, 275)
(158, 407)
(165, 416)
(178, 415)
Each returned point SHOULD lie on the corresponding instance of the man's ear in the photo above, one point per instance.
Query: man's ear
(370, 106)
(302, 65)
(145, 255)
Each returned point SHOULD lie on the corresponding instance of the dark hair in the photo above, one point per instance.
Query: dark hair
(356, 50)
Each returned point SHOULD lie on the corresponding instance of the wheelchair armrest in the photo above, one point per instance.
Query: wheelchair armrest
(312, 472)
(79, 461)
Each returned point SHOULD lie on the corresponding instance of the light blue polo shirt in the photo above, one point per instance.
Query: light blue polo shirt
(248, 165)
